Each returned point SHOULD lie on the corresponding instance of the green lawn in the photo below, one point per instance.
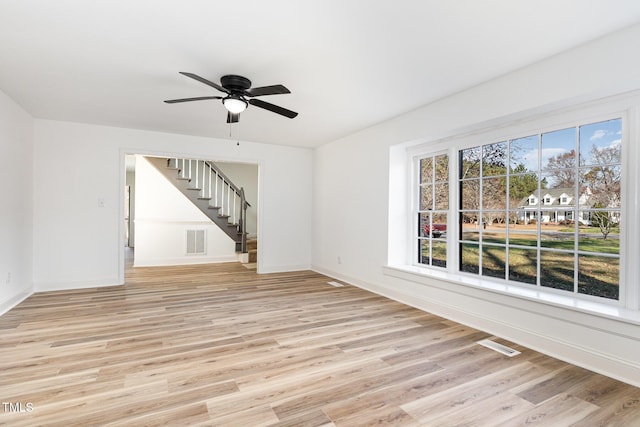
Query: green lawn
(597, 276)
(588, 244)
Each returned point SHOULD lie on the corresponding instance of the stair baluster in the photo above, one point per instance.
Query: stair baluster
(197, 170)
(233, 217)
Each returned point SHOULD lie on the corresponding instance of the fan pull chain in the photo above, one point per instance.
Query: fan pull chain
(231, 136)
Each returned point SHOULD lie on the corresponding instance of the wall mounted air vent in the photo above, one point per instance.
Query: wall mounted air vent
(196, 242)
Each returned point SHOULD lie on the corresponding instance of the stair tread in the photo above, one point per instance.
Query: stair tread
(196, 189)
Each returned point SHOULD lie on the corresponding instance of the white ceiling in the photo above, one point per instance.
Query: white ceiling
(348, 63)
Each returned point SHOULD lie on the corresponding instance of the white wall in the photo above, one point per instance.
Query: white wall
(353, 207)
(245, 175)
(163, 216)
(16, 206)
(78, 243)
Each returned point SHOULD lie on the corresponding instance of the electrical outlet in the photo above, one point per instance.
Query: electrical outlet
(8, 278)
(339, 260)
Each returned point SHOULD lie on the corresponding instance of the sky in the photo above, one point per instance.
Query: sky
(600, 135)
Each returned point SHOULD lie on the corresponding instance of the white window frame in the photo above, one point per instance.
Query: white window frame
(626, 107)
(415, 208)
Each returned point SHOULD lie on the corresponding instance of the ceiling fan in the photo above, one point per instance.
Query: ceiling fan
(238, 89)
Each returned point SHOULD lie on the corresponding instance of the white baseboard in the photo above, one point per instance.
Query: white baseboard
(8, 304)
(166, 262)
(61, 286)
(281, 268)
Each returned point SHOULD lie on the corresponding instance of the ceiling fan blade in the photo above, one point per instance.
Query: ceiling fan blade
(233, 118)
(273, 108)
(199, 98)
(205, 81)
(267, 90)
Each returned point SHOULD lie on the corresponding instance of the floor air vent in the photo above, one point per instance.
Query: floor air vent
(507, 351)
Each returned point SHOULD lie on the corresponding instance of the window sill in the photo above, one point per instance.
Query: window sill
(426, 276)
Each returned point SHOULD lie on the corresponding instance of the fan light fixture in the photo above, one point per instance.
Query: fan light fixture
(234, 104)
(237, 90)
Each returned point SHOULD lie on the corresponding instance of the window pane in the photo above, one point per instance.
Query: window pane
(439, 253)
(494, 193)
(556, 270)
(523, 265)
(424, 224)
(494, 159)
(558, 181)
(469, 258)
(493, 261)
(470, 226)
(598, 276)
(600, 143)
(522, 234)
(423, 251)
(600, 186)
(559, 149)
(520, 188)
(494, 227)
(426, 170)
(442, 168)
(553, 234)
(470, 190)
(523, 153)
(439, 226)
(527, 212)
(602, 235)
(426, 197)
(470, 163)
(442, 196)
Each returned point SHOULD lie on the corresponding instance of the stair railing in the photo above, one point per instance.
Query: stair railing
(215, 186)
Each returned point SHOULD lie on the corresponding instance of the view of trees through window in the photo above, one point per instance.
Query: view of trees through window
(544, 209)
(433, 210)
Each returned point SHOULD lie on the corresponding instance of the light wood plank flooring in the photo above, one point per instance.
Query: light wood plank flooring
(221, 345)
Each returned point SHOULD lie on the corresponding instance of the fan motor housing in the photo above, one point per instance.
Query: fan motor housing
(235, 83)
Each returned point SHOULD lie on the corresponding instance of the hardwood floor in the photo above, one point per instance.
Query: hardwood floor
(221, 345)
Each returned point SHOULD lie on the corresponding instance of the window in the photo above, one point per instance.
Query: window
(433, 207)
(504, 233)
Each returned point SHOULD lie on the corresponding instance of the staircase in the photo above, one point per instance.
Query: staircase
(204, 184)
